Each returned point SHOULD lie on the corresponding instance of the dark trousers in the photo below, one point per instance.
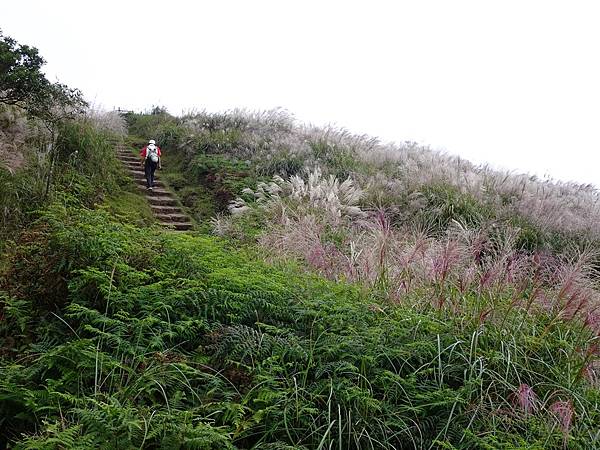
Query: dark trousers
(149, 168)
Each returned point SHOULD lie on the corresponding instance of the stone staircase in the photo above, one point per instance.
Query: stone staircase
(162, 202)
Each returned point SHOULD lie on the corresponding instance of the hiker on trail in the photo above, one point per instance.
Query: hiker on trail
(150, 160)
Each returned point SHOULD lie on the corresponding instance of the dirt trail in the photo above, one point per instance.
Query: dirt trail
(163, 203)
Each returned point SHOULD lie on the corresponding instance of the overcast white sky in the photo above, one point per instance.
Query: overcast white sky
(512, 83)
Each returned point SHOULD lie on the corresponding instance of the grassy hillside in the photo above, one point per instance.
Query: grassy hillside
(344, 294)
(215, 156)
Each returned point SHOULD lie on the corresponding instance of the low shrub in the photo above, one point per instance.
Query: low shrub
(81, 167)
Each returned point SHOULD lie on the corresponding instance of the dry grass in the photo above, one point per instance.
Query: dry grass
(110, 121)
(279, 145)
(477, 271)
(13, 134)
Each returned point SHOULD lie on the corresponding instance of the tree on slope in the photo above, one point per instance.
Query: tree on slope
(22, 83)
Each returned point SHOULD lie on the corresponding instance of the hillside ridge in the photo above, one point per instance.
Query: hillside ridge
(335, 293)
(321, 306)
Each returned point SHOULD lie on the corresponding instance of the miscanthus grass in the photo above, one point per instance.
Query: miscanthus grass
(410, 299)
(474, 277)
(388, 172)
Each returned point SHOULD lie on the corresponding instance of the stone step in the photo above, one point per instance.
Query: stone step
(139, 170)
(162, 200)
(138, 175)
(155, 191)
(164, 207)
(140, 178)
(177, 225)
(180, 218)
(142, 182)
(157, 209)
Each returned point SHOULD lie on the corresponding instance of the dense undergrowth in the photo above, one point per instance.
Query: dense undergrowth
(216, 155)
(428, 318)
(119, 337)
(79, 165)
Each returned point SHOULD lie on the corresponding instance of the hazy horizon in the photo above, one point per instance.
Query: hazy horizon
(512, 85)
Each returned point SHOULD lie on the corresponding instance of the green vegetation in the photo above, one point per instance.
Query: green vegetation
(24, 84)
(83, 166)
(357, 297)
(116, 335)
(65, 153)
(120, 337)
(130, 208)
(202, 171)
(445, 204)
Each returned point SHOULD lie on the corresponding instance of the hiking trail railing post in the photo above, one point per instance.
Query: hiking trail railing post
(123, 112)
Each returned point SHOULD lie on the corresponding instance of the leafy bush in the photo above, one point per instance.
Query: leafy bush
(146, 125)
(20, 193)
(81, 167)
(88, 152)
(25, 85)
